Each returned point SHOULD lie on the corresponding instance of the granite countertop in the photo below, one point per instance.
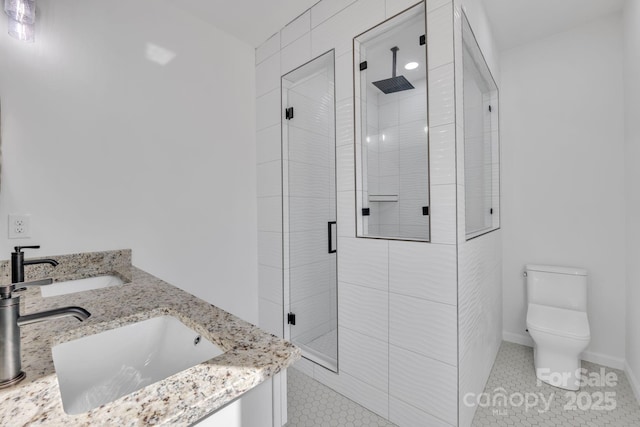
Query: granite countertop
(251, 355)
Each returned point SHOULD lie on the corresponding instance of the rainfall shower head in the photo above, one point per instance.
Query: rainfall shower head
(394, 84)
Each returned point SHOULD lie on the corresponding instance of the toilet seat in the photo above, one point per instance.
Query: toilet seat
(558, 321)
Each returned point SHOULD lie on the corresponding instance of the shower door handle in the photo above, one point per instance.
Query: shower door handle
(331, 226)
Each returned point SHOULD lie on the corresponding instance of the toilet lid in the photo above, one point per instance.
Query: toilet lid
(558, 321)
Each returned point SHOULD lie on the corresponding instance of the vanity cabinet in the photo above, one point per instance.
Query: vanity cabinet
(252, 409)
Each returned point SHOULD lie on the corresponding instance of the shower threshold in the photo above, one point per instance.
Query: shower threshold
(321, 349)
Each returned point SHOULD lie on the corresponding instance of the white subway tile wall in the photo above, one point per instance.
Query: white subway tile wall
(443, 214)
(268, 48)
(295, 54)
(364, 310)
(327, 9)
(270, 284)
(424, 327)
(403, 414)
(423, 271)
(364, 357)
(425, 383)
(268, 75)
(270, 317)
(338, 31)
(296, 29)
(442, 151)
(393, 7)
(268, 109)
(394, 359)
(364, 262)
(268, 142)
(440, 32)
(479, 268)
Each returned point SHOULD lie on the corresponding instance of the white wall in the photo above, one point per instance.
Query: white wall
(107, 149)
(563, 180)
(632, 188)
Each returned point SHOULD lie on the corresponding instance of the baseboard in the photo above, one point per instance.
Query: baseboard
(589, 356)
(634, 380)
(517, 338)
(603, 359)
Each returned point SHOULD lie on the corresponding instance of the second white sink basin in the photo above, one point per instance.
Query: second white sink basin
(72, 286)
(101, 368)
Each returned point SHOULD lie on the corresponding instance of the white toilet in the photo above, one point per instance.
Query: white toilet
(557, 322)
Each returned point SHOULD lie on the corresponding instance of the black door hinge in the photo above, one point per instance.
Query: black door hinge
(491, 211)
(363, 65)
(291, 319)
(423, 40)
(288, 113)
(366, 212)
(425, 210)
(489, 108)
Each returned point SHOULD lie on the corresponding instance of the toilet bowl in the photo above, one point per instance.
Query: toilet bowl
(557, 322)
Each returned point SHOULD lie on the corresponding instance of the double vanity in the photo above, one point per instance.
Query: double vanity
(148, 354)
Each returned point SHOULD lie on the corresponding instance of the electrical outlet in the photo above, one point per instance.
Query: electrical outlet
(19, 226)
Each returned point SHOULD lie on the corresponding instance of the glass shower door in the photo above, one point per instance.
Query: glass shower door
(310, 209)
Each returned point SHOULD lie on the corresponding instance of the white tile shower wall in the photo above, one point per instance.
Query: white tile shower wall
(480, 314)
(269, 177)
(372, 273)
(396, 162)
(425, 383)
(296, 29)
(365, 358)
(479, 259)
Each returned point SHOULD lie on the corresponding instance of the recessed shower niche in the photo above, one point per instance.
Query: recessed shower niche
(309, 210)
(392, 130)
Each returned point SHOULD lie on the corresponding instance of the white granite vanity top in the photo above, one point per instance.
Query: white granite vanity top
(251, 356)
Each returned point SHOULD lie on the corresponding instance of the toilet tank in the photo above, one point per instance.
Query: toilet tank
(562, 287)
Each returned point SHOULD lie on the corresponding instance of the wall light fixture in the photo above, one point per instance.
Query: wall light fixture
(22, 18)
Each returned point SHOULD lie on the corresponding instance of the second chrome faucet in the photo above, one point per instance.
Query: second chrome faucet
(18, 262)
(10, 319)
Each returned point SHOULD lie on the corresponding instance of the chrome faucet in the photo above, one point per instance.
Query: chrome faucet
(10, 321)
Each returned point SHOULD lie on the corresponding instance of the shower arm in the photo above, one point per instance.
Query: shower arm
(395, 50)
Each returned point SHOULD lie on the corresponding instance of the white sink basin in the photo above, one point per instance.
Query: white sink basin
(62, 288)
(101, 368)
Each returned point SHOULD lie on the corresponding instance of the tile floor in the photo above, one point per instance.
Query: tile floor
(513, 372)
(312, 404)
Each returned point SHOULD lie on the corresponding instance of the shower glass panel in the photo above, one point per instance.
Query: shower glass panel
(310, 229)
(481, 144)
(392, 142)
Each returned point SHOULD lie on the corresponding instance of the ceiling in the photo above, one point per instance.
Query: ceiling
(252, 21)
(516, 22)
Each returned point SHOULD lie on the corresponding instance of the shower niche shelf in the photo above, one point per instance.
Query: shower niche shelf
(383, 197)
